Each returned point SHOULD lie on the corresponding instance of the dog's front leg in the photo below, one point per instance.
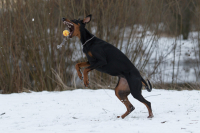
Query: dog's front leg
(100, 57)
(85, 74)
(91, 67)
(78, 67)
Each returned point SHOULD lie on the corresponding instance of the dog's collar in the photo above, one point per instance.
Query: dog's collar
(88, 40)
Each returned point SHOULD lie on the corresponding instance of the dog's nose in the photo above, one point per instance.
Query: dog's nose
(63, 19)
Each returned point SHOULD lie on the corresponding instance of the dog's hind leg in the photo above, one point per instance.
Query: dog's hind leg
(122, 91)
(135, 88)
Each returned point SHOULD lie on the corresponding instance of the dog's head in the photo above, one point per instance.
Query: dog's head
(76, 26)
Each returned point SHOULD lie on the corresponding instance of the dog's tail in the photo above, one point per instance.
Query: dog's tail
(147, 86)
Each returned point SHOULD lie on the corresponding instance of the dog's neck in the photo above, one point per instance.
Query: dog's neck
(85, 36)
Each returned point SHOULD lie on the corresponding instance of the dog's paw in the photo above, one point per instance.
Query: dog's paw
(86, 82)
(150, 116)
(122, 117)
(80, 75)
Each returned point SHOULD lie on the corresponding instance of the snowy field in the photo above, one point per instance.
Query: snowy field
(96, 111)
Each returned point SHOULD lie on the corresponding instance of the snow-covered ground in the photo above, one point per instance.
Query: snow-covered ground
(84, 111)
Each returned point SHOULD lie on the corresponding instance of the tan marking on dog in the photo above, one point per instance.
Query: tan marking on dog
(76, 30)
(90, 54)
(143, 83)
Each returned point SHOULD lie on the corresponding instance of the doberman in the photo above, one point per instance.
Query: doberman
(106, 58)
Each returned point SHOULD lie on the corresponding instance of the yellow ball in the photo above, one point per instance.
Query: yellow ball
(65, 33)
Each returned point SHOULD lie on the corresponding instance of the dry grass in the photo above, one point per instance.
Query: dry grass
(31, 30)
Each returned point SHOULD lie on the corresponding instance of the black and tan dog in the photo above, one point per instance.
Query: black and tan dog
(106, 58)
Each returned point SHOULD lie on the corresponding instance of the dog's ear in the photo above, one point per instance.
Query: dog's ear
(87, 19)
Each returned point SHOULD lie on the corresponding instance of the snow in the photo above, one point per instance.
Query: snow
(185, 51)
(84, 111)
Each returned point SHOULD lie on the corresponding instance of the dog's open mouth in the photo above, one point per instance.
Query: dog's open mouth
(70, 26)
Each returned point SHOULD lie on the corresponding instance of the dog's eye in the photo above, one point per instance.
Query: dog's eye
(82, 22)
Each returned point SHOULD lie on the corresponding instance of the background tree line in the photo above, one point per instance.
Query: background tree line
(30, 31)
